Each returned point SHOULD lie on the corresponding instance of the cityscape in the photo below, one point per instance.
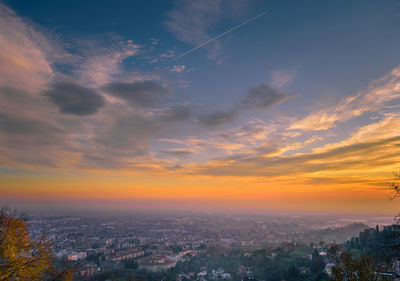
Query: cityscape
(152, 244)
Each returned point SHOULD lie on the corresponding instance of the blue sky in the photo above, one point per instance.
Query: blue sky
(93, 86)
(344, 38)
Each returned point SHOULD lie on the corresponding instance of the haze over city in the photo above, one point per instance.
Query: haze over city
(238, 106)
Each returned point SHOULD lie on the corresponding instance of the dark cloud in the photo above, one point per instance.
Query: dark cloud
(116, 145)
(18, 126)
(174, 167)
(264, 96)
(16, 96)
(176, 114)
(74, 99)
(260, 97)
(89, 161)
(45, 161)
(128, 134)
(142, 93)
(180, 153)
(30, 141)
(218, 118)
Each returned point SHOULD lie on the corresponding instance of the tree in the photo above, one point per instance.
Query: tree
(350, 268)
(317, 262)
(395, 185)
(378, 247)
(23, 258)
(293, 274)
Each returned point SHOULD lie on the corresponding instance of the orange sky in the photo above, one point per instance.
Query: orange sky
(114, 118)
(194, 192)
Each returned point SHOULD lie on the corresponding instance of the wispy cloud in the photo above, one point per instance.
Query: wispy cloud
(341, 160)
(101, 62)
(261, 97)
(51, 118)
(209, 41)
(97, 116)
(369, 152)
(175, 113)
(281, 78)
(374, 97)
(191, 22)
(24, 62)
(178, 68)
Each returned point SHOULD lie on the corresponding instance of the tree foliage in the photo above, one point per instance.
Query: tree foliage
(23, 258)
(350, 267)
(395, 185)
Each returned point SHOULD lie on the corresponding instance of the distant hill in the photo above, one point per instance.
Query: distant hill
(338, 234)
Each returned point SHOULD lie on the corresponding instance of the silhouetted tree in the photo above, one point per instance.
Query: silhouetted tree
(395, 185)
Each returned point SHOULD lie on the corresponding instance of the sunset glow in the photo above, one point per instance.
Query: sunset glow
(295, 109)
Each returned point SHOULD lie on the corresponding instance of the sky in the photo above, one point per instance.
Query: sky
(200, 105)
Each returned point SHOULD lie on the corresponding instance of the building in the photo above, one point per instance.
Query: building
(156, 263)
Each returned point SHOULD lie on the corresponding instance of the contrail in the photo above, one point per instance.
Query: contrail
(219, 36)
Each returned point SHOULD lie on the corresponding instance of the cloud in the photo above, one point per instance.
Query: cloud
(167, 54)
(209, 144)
(385, 128)
(24, 62)
(190, 22)
(260, 97)
(142, 93)
(250, 134)
(179, 152)
(219, 36)
(31, 141)
(31, 56)
(74, 99)
(176, 114)
(36, 128)
(127, 134)
(119, 142)
(218, 118)
(18, 126)
(374, 97)
(22, 104)
(240, 138)
(90, 161)
(351, 157)
(354, 157)
(178, 68)
(281, 78)
(154, 41)
(101, 61)
(264, 96)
